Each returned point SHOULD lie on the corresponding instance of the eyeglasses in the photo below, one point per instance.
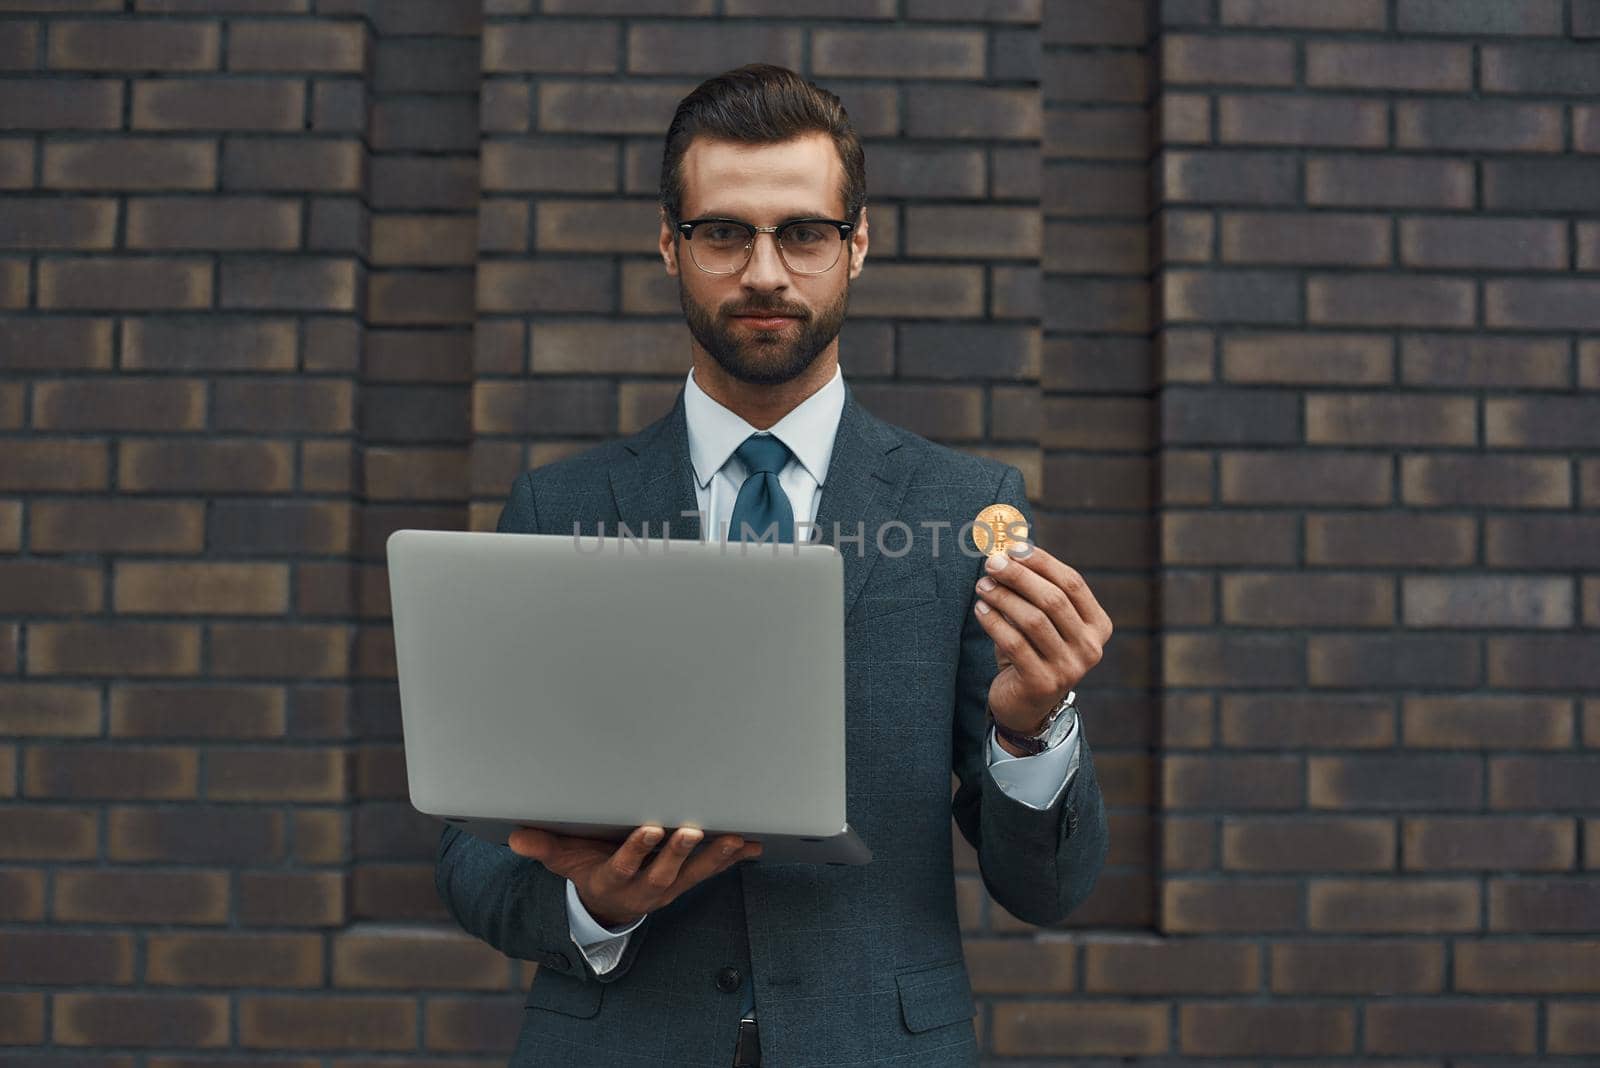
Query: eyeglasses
(806, 246)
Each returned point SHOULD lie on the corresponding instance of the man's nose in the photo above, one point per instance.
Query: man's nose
(766, 269)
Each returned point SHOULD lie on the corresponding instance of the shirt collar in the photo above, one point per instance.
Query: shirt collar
(808, 431)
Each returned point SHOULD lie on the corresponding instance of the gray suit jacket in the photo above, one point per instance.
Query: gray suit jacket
(851, 965)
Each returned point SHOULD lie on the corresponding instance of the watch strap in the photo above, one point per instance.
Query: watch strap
(1033, 744)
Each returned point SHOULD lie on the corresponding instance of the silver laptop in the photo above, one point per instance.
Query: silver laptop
(588, 685)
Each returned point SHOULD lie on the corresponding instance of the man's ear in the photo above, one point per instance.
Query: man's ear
(858, 245)
(669, 244)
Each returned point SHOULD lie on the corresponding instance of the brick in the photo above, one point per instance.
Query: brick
(1545, 905)
(1171, 967)
(1554, 542)
(46, 710)
(130, 164)
(1393, 783)
(1469, 1027)
(1488, 601)
(683, 48)
(1225, 60)
(300, 284)
(973, 232)
(263, 649)
(1288, 721)
(110, 283)
(33, 587)
(218, 104)
(1385, 419)
(1232, 782)
(1519, 17)
(10, 526)
(596, 226)
(290, 899)
(645, 7)
(1548, 305)
(22, 1018)
(1108, 77)
(202, 588)
(1477, 125)
(1527, 967)
(549, 46)
(1345, 122)
(128, 45)
(119, 772)
(16, 163)
(229, 960)
(1417, 906)
(412, 962)
(1542, 69)
(116, 526)
(194, 835)
(974, 112)
(1573, 1027)
(1303, 359)
(1353, 240)
(1371, 967)
(599, 108)
(424, 240)
(1471, 722)
(1226, 538)
(1232, 905)
(156, 897)
(1288, 14)
(1499, 244)
(1586, 135)
(275, 775)
(919, 291)
(1326, 477)
(1484, 362)
(332, 46)
(212, 223)
(1495, 844)
(60, 105)
(1227, 1028)
(1550, 661)
(781, 9)
(430, 65)
(211, 346)
(518, 166)
(21, 895)
(280, 527)
(364, 1023)
(320, 837)
(1397, 182)
(288, 164)
(414, 474)
(209, 466)
(1389, 300)
(83, 648)
(1510, 481)
(1230, 177)
(427, 298)
(425, 124)
(315, 406)
(37, 833)
(1271, 599)
(20, 48)
(140, 1020)
(62, 958)
(1404, 66)
(1542, 185)
(1234, 296)
(125, 404)
(425, 18)
(1105, 1027)
(57, 223)
(1308, 844)
(1517, 782)
(55, 344)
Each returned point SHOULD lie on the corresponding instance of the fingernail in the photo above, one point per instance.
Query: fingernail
(729, 850)
(983, 609)
(997, 561)
(1020, 548)
(652, 836)
(986, 584)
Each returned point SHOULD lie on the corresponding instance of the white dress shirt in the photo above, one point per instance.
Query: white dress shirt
(808, 431)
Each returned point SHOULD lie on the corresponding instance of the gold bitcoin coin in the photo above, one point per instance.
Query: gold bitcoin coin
(996, 527)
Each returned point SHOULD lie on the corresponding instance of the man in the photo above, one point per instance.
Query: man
(690, 957)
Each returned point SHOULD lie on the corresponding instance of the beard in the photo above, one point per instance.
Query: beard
(764, 357)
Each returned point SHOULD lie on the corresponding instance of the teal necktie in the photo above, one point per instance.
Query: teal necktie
(761, 502)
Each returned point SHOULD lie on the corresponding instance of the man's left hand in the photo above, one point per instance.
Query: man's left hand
(1048, 631)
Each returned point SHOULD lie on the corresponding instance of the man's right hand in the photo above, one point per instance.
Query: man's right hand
(614, 882)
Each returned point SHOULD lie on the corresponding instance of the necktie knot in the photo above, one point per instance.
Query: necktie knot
(763, 454)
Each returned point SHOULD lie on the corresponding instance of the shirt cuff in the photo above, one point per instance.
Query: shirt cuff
(601, 946)
(1037, 780)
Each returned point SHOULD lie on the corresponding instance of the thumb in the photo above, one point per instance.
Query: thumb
(531, 842)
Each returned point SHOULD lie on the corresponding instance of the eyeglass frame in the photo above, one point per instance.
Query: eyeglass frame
(686, 229)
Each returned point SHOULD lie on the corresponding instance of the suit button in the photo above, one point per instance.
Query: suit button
(728, 980)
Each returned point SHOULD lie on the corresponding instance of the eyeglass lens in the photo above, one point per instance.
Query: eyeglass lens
(722, 248)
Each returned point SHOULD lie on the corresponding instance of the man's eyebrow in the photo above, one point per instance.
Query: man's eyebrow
(786, 219)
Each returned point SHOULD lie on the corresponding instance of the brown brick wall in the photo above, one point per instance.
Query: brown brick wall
(1286, 310)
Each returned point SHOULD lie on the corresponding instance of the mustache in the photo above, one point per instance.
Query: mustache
(795, 313)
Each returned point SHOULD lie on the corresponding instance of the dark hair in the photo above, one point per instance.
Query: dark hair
(759, 103)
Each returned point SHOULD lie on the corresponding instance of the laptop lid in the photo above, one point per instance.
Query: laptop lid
(609, 682)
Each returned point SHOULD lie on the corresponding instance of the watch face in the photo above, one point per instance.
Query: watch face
(1061, 727)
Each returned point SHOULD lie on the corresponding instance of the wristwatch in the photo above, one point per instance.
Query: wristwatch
(1056, 727)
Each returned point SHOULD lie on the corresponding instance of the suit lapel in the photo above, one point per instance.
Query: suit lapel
(867, 477)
